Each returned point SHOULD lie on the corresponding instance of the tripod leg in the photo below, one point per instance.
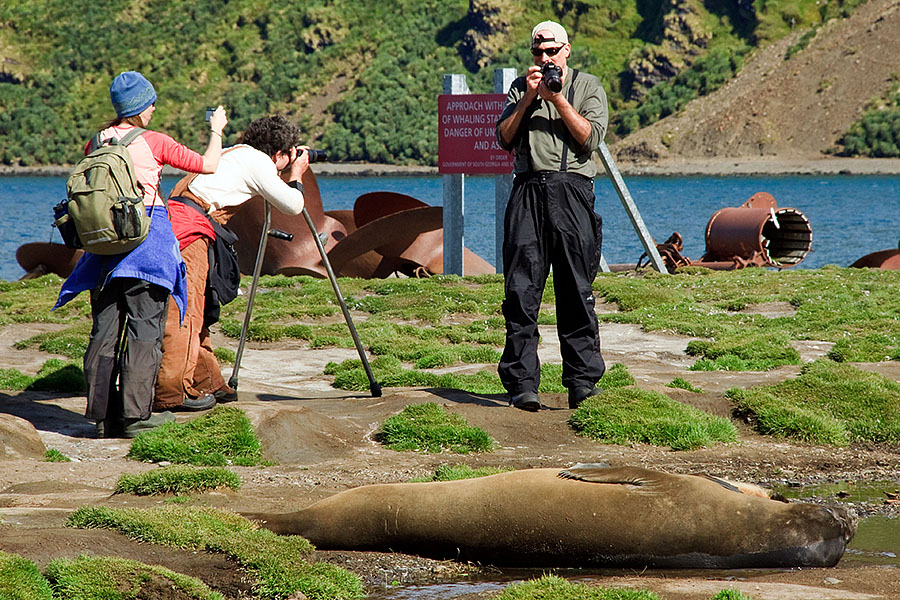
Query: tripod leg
(373, 385)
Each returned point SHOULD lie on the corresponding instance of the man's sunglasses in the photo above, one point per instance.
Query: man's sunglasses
(547, 51)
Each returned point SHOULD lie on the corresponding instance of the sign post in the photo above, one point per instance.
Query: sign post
(631, 208)
(466, 144)
(503, 79)
(454, 182)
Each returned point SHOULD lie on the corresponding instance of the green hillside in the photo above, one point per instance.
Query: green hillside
(361, 77)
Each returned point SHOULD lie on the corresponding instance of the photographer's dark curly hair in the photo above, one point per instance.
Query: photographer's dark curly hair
(271, 134)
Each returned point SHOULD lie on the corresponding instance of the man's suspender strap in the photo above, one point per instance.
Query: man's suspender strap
(565, 153)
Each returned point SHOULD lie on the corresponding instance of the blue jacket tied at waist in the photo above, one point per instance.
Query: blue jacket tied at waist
(157, 260)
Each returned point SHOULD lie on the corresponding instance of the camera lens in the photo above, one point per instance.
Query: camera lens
(552, 75)
(317, 156)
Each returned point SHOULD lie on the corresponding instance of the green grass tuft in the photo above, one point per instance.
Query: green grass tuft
(225, 356)
(222, 436)
(177, 479)
(729, 594)
(758, 353)
(557, 588)
(829, 403)
(389, 372)
(55, 376)
(89, 577)
(684, 384)
(54, 455)
(277, 564)
(430, 428)
(71, 342)
(866, 348)
(14, 379)
(20, 579)
(631, 415)
(616, 376)
(457, 472)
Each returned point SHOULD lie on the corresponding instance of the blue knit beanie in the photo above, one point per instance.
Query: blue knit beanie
(131, 94)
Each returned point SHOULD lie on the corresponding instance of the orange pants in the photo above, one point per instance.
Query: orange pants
(188, 366)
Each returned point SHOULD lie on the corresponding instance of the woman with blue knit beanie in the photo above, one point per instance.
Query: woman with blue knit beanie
(130, 291)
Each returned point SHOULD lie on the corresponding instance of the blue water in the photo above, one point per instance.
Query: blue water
(850, 215)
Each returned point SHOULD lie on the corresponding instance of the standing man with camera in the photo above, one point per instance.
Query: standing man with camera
(554, 119)
(190, 377)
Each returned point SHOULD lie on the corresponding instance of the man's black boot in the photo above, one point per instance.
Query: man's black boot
(579, 393)
(526, 401)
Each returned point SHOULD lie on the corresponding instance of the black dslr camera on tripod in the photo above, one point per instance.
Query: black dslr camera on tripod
(315, 155)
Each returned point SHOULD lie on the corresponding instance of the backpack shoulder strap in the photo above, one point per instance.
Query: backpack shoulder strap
(126, 139)
(95, 143)
(130, 136)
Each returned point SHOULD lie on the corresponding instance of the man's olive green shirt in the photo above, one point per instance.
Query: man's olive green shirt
(538, 145)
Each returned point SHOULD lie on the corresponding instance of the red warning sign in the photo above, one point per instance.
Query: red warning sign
(466, 139)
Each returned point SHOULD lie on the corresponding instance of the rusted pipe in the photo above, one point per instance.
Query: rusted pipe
(759, 234)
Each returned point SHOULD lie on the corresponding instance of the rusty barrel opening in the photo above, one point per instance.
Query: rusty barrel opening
(789, 243)
(776, 237)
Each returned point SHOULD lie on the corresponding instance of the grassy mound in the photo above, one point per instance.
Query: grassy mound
(553, 586)
(110, 577)
(177, 479)
(55, 376)
(457, 472)
(20, 579)
(429, 428)
(829, 403)
(630, 415)
(220, 437)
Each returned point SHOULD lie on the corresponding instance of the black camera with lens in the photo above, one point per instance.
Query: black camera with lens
(552, 75)
(317, 155)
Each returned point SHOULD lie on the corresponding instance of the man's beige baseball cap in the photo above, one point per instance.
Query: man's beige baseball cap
(559, 33)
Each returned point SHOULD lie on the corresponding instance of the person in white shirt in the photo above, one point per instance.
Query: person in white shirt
(190, 377)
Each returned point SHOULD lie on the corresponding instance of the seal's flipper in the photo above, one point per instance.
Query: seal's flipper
(603, 473)
(741, 488)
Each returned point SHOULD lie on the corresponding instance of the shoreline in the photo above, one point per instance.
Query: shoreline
(710, 167)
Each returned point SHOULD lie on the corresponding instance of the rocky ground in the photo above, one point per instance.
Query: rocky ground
(322, 442)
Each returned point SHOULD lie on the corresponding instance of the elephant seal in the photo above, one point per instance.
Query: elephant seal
(587, 515)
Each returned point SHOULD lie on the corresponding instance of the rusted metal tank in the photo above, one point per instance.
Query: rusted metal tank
(887, 260)
(758, 233)
(755, 234)
(40, 258)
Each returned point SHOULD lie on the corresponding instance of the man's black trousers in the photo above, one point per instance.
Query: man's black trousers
(550, 222)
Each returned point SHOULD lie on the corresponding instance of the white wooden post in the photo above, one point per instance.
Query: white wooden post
(503, 79)
(454, 185)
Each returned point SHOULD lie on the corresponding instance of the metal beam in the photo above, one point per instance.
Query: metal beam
(631, 209)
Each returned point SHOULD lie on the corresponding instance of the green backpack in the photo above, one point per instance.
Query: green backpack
(103, 212)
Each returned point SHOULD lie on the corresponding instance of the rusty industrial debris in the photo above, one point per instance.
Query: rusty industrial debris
(386, 233)
(756, 234)
(888, 260)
